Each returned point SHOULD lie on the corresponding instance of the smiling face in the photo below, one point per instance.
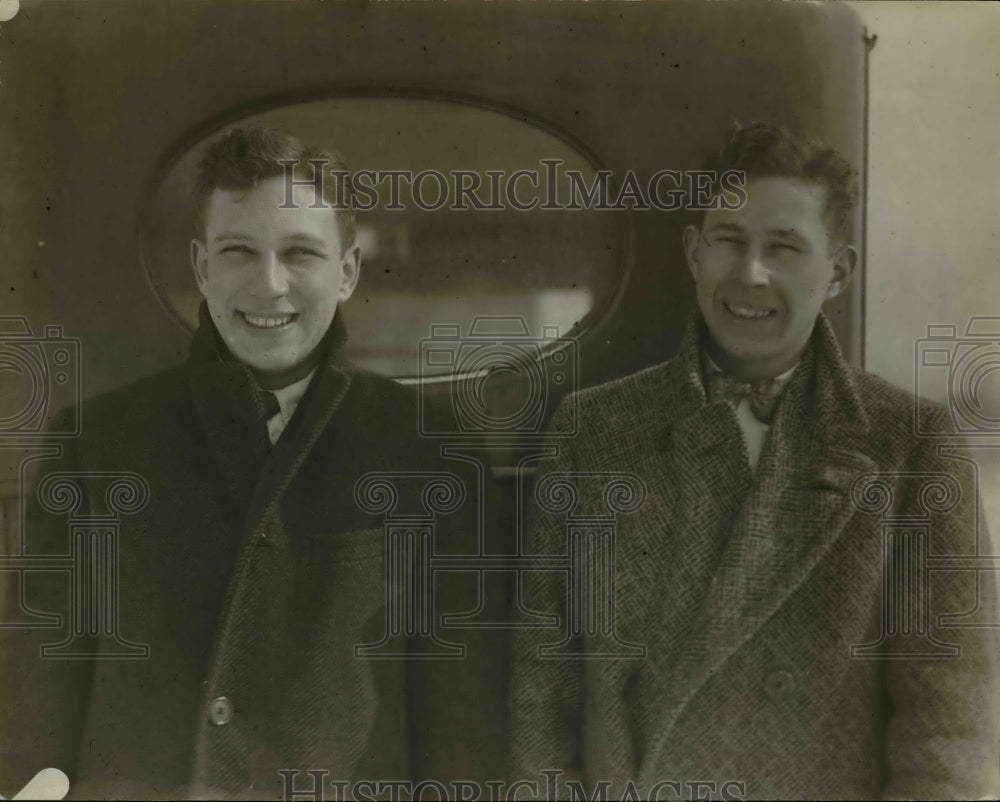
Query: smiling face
(762, 272)
(272, 277)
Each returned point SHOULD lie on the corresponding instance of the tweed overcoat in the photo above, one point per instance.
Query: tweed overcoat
(250, 574)
(749, 592)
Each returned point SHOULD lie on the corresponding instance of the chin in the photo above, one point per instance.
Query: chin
(266, 364)
(743, 350)
(275, 367)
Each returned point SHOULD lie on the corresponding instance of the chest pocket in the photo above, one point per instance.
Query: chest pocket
(342, 586)
(317, 700)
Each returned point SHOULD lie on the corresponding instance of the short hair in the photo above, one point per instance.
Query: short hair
(761, 150)
(243, 157)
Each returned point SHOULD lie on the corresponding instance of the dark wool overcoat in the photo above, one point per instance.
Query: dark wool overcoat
(750, 593)
(251, 574)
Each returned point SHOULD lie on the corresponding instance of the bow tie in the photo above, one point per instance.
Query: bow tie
(763, 394)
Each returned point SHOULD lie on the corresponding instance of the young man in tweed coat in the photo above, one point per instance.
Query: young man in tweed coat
(781, 660)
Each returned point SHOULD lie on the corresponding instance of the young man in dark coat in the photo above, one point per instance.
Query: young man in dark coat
(256, 565)
(795, 646)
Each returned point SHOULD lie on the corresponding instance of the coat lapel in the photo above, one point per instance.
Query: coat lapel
(638, 576)
(697, 477)
(231, 415)
(326, 391)
(797, 508)
(699, 452)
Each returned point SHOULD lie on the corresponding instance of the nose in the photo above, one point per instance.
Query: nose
(271, 279)
(752, 270)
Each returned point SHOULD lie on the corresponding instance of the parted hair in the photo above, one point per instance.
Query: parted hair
(762, 150)
(241, 158)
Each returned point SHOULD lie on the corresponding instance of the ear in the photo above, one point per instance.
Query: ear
(845, 260)
(199, 263)
(692, 243)
(350, 272)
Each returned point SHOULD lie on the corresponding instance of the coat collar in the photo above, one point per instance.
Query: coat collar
(229, 409)
(830, 406)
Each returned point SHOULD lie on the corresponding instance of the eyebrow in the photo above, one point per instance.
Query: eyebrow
(784, 232)
(735, 228)
(306, 238)
(235, 235)
(229, 235)
(726, 227)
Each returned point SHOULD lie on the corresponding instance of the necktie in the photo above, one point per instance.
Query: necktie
(271, 407)
(763, 394)
(269, 401)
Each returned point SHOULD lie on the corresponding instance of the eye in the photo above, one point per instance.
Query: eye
(238, 249)
(300, 252)
(787, 247)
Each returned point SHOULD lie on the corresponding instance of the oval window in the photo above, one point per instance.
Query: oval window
(479, 221)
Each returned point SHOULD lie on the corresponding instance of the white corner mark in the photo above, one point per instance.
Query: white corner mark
(47, 784)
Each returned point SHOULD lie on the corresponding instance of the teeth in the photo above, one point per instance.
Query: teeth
(748, 312)
(264, 322)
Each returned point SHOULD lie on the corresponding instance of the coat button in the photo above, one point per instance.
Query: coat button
(779, 684)
(220, 711)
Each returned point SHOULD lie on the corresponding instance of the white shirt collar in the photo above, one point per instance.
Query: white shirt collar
(288, 401)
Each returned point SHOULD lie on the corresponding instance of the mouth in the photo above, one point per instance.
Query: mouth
(741, 312)
(268, 322)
